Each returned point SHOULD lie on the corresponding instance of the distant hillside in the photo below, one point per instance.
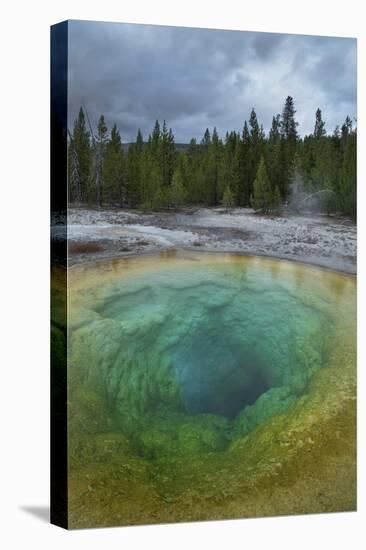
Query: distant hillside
(178, 146)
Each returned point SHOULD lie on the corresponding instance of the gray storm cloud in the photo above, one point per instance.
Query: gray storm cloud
(198, 78)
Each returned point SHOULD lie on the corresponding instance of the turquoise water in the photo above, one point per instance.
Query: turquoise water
(224, 343)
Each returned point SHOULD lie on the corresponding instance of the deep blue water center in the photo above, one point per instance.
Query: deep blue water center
(216, 373)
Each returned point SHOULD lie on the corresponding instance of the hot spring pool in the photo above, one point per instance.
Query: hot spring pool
(183, 365)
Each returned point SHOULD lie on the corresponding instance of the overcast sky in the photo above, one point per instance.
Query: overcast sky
(198, 78)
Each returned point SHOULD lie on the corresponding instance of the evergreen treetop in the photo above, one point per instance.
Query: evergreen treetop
(288, 123)
(319, 128)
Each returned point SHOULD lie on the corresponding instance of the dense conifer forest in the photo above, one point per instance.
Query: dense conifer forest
(242, 169)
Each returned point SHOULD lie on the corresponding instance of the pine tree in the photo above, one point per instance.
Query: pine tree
(319, 128)
(215, 151)
(262, 134)
(151, 182)
(167, 155)
(177, 191)
(215, 137)
(274, 154)
(236, 176)
(114, 182)
(246, 181)
(226, 165)
(337, 132)
(264, 199)
(274, 133)
(289, 139)
(348, 184)
(254, 127)
(192, 150)
(163, 155)
(288, 123)
(206, 140)
(206, 179)
(79, 160)
(133, 166)
(346, 130)
(139, 141)
(98, 160)
(255, 148)
(155, 138)
(193, 155)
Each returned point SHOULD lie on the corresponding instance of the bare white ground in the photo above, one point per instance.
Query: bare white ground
(328, 242)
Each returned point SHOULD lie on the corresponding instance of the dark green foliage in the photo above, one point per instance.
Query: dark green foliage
(151, 181)
(114, 179)
(275, 156)
(265, 198)
(178, 190)
(288, 123)
(256, 141)
(328, 164)
(229, 168)
(348, 177)
(206, 140)
(245, 176)
(167, 155)
(275, 131)
(79, 160)
(244, 169)
(133, 167)
(285, 161)
(98, 145)
(319, 129)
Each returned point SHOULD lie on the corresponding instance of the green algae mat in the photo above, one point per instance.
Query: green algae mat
(209, 386)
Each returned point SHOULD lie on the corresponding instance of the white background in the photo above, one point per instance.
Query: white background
(24, 302)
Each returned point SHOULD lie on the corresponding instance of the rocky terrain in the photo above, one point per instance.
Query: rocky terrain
(107, 233)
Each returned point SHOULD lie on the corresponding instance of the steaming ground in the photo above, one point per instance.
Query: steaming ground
(106, 233)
